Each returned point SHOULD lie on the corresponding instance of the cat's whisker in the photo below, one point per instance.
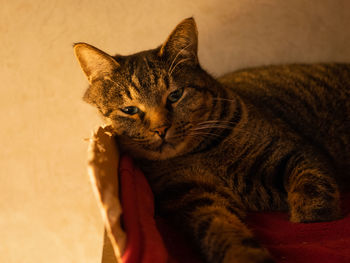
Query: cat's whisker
(224, 99)
(221, 124)
(213, 124)
(212, 127)
(204, 133)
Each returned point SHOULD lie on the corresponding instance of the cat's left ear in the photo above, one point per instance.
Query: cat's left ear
(94, 62)
(182, 43)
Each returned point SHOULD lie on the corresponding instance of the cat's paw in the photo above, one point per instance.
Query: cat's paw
(316, 214)
(250, 252)
(318, 207)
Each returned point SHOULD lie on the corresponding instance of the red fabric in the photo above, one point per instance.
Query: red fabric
(144, 243)
(327, 242)
(151, 240)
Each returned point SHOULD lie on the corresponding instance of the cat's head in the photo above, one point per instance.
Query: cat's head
(154, 99)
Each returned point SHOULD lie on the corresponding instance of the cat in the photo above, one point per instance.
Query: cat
(268, 138)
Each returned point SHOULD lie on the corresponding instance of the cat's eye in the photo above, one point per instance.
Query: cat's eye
(175, 95)
(131, 110)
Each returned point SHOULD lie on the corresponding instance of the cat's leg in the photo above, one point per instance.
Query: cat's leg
(313, 194)
(224, 238)
(212, 217)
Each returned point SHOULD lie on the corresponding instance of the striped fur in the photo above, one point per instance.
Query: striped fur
(269, 138)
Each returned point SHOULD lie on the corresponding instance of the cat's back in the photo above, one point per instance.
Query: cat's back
(312, 100)
(319, 86)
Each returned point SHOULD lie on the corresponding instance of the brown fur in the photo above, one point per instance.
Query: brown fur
(269, 138)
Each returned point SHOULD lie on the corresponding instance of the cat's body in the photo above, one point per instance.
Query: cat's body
(269, 125)
(271, 138)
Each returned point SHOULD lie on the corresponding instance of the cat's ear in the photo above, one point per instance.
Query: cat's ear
(182, 43)
(94, 62)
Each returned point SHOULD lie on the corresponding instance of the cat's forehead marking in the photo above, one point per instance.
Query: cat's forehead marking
(136, 86)
(146, 80)
(134, 92)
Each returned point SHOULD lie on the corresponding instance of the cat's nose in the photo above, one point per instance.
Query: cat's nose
(161, 131)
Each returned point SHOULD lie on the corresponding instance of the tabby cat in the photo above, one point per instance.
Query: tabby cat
(269, 138)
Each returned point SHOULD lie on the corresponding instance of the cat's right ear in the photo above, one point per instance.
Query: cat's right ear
(94, 62)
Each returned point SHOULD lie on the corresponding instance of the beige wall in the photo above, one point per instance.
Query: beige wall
(47, 210)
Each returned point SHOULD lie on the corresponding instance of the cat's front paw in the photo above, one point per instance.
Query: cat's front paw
(316, 214)
(319, 207)
(250, 252)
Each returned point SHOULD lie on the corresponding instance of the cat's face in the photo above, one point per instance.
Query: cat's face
(155, 100)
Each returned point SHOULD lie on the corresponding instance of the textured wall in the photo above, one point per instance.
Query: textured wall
(47, 210)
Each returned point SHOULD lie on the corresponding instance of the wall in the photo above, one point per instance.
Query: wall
(47, 210)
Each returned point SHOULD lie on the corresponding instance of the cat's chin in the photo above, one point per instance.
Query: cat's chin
(169, 150)
(164, 151)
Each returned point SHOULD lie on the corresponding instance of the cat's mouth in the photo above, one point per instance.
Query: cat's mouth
(159, 149)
